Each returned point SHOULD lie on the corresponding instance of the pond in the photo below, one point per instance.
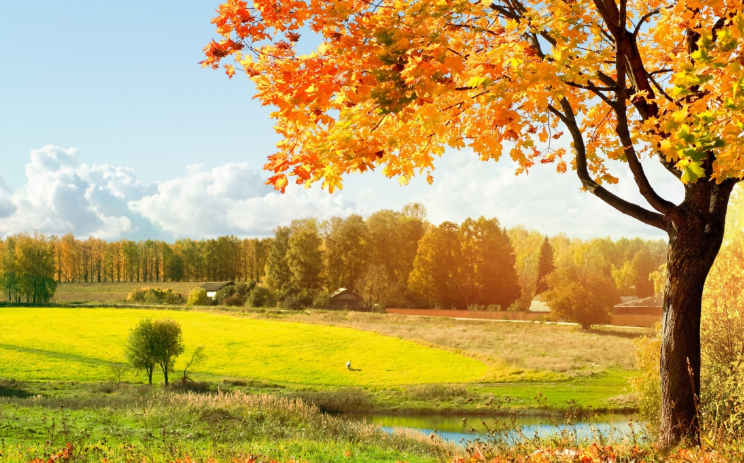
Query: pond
(459, 429)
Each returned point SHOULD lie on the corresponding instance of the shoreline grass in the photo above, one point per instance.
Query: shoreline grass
(133, 425)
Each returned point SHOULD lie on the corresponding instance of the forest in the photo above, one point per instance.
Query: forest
(391, 258)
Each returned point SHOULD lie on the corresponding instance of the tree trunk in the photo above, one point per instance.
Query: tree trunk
(694, 241)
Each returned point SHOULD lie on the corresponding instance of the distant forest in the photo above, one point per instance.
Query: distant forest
(392, 257)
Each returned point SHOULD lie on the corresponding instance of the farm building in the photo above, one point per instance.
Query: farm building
(345, 299)
(640, 312)
(537, 305)
(212, 287)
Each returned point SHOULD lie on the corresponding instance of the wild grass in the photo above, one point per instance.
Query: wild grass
(133, 425)
(81, 344)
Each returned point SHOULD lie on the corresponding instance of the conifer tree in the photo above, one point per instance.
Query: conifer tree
(545, 265)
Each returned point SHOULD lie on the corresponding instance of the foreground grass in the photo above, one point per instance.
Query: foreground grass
(134, 424)
(80, 344)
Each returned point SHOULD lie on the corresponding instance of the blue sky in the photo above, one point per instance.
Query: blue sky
(110, 127)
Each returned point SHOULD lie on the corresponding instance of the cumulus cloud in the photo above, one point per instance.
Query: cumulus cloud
(232, 199)
(544, 200)
(63, 195)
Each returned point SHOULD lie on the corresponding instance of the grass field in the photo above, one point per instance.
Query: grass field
(534, 348)
(113, 292)
(79, 344)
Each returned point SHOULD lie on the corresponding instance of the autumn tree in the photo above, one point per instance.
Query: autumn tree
(392, 84)
(486, 268)
(526, 245)
(545, 265)
(435, 278)
(346, 243)
(305, 255)
(35, 268)
(581, 288)
(278, 275)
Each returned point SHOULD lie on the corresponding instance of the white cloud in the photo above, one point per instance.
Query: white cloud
(233, 199)
(62, 195)
(544, 200)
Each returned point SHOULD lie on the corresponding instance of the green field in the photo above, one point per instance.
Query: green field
(48, 344)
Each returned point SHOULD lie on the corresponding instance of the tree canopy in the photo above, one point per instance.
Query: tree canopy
(394, 82)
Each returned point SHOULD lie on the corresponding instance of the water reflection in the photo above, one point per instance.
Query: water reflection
(459, 429)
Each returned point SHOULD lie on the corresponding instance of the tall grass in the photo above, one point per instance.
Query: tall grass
(164, 426)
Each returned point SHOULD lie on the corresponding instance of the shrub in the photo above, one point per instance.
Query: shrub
(198, 296)
(239, 291)
(154, 296)
(494, 308)
(321, 299)
(291, 303)
(261, 296)
(477, 307)
(233, 301)
(306, 297)
(647, 385)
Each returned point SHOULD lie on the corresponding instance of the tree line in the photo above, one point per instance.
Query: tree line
(389, 258)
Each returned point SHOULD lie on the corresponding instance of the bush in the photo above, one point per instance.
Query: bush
(493, 308)
(321, 299)
(261, 296)
(517, 306)
(198, 296)
(477, 307)
(647, 385)
(240, 291)
(291, 303)
(233, 301)
(154, 296)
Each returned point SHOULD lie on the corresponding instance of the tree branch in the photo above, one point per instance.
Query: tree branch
(643, 20)
(654, 219)
(644, 186)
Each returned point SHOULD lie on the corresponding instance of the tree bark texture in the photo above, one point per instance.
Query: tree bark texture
(695, 238)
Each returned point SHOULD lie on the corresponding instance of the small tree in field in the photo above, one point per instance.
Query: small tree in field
(581, 288)
(584, 299)
(154, 343)
(197, 357)
(141, 347)
(598, 86)
(168, 344)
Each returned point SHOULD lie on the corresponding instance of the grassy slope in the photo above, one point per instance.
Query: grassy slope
(74, 344)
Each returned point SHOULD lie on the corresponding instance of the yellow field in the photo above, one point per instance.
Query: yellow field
(79, 344)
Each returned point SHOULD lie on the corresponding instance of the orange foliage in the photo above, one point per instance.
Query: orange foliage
(394, 82)
(590, 454)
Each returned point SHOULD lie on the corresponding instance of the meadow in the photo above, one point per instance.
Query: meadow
(112, 292)
(52, 344)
